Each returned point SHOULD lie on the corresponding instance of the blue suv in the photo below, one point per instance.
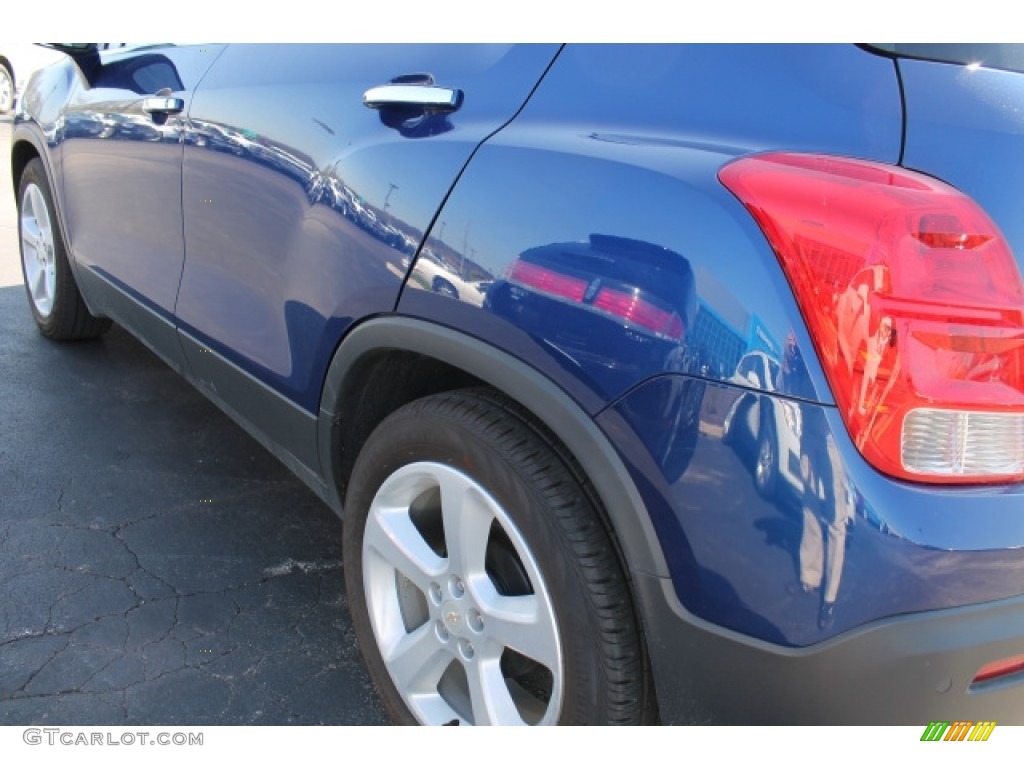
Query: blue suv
(653, 383)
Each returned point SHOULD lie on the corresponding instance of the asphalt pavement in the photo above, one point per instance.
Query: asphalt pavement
(157, 565)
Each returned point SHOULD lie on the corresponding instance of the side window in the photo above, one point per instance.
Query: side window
(155, 75)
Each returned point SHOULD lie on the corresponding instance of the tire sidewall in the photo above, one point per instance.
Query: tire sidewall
(402, 441)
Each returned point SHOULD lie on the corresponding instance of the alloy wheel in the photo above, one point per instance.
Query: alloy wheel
(462, 617)
(37, 250)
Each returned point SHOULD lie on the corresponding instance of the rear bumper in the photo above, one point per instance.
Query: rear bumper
(907, 670)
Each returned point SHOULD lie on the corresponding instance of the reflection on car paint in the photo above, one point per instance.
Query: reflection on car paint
(321, 187)
(354, 202)
(610, 260)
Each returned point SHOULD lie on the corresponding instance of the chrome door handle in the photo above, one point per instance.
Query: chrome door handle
(430, 98)
(161, 105)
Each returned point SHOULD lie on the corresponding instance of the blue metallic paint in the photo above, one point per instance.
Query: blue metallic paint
(124, 165)
(569, 162)
(983, 108)
(325, 213)
(318, 204)
(735, 557)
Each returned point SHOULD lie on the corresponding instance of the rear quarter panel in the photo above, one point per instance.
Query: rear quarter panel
(626, 141)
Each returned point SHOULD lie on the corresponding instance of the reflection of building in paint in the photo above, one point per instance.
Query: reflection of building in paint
(724, 330)
(720, 345)
(760, 338)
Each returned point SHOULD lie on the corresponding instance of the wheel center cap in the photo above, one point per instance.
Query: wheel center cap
(453, 617)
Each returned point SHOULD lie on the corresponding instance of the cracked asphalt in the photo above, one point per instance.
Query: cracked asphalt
(157, 566)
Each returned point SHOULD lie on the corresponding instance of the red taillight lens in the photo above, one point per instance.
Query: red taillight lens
(628, 305)
(635, 309)
(915, 305)
(548, 281)
(1001, 668)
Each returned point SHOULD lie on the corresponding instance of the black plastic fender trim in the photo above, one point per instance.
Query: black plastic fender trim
(563, 416)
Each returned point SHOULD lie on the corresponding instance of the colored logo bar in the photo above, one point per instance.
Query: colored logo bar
(960, 730)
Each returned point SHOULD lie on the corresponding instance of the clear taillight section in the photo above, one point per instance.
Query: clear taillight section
(969, 443)
(915, 305)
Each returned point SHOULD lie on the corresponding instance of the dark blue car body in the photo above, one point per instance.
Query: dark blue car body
(269, 243)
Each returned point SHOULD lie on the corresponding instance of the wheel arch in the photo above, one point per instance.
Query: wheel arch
(368, 379)
(440, 281)
(22, 153)
(26, 145)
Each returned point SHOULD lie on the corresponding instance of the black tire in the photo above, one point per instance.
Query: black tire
(7, 90)
(491, 442)
(445, 288)
(66, 317)
(734, 422)
(766, 461)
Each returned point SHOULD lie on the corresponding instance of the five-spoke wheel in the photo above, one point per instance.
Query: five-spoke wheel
(460, 612)
(38, 257)
(483, 585)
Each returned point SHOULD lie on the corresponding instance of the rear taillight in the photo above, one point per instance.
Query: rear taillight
(915, 305)
(631, 306)
(624, 303)
(548, 281)
(997, 670)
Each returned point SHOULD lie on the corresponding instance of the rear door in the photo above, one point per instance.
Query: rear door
(303, 207)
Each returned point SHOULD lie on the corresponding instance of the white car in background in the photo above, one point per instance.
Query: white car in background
(459, 279)
(773, 426)
(17, 63)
